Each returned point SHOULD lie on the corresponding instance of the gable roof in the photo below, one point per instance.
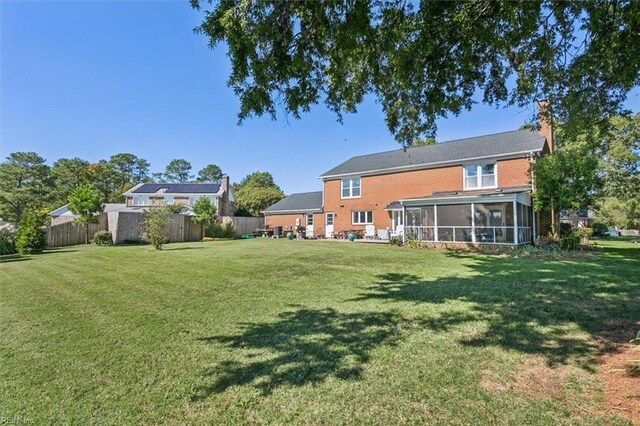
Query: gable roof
(301, 202)
(495, 145)
(177, 188)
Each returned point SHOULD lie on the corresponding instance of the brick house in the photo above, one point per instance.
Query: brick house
(473, 190)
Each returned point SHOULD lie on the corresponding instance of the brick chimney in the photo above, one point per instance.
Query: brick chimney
(545, 123)
(225, 207)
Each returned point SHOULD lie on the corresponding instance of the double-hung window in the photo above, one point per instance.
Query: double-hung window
(140, 200)
(168, 200)
(479, 176)
(362, 218)
(351, 187)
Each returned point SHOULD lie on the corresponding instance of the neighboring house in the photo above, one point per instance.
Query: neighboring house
(184, 194)
(473, 190)
(578, 218)
(145, 195)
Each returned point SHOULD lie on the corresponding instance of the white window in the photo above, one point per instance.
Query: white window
(479, 176)
(194, 198)
(140, 200)
(351, 188)
(168, 200)
(329, 219)
(362, 218)
(310, 219)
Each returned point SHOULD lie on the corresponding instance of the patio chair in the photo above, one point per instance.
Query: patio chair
(383, 234)
(369, 231)
(398, 232)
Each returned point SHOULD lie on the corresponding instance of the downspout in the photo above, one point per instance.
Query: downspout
(533, 189)
(404, 222)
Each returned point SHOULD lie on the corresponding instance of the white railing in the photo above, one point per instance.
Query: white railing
(524, 234)
(468, 234)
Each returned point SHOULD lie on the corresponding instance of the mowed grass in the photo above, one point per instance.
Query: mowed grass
(277, 331)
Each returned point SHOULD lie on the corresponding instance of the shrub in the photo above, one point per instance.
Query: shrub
(600, 230)
(175, 208)
(395, 241)
(30, 237)
(584, 234)
(220, 230)
(565, 229)
(547, 242)
(155, 225)
(570, 242)
(102, 238)
(412, 243)
(7, 241)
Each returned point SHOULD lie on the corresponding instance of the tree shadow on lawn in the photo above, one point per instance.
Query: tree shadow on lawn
(531, 305)
(13, 258)
(305, 346)
(7, 258)
(181, 248)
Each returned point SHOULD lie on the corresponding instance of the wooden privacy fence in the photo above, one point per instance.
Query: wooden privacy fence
(71, 233)
(125, 227)
(245, 225)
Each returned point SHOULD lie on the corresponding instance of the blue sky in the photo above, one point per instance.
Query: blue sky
(91, 79)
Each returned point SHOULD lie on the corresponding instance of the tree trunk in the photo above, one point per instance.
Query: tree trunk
(554, 224)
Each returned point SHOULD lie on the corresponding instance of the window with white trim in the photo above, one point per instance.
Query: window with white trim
(351, 187)
(479, 176)
(329, 219)
(309, 219)
(362, 218)
(140, 200)
(168, 200)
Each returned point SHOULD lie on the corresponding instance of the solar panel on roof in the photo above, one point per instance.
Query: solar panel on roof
(178, 188)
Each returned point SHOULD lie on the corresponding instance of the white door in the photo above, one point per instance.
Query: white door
(309, 227)
(328, 225)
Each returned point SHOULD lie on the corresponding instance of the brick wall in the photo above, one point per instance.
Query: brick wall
(379, 191)
(289, 221)
(514, 172)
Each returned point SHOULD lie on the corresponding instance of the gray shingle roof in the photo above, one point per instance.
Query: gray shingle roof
(457, 150)
(297, 202)
(178, 188)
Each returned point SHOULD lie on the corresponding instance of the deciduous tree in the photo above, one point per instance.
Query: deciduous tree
(85, 202)
(255, 193)
(428, 59)
(204, 211)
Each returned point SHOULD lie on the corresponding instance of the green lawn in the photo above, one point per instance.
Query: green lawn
(277, 331)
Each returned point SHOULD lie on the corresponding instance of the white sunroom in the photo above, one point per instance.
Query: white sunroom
(495, 218)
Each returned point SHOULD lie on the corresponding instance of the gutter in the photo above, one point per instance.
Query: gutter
(319, 210)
